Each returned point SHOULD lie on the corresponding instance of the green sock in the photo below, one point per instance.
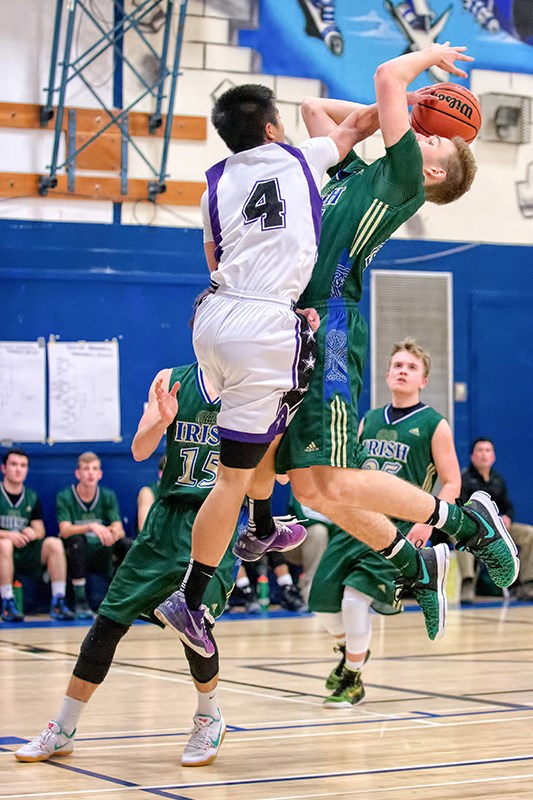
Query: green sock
(80, 594)
(457, 523)
(403, 555)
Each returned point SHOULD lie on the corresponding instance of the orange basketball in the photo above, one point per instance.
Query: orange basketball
(450, 111)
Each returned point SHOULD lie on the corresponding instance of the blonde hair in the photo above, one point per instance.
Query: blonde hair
(412, 346)
(86, 457)
(460, 171)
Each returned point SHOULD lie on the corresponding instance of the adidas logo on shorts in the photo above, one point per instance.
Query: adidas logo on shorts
(311, 448)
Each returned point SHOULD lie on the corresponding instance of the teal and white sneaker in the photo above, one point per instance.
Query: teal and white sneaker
(207, 736)
(53, 741)
(429, 587)
(349, 692)
(492, 544)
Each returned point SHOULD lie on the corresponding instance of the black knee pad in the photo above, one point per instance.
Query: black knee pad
(275, 559)
(98, 649)
(202, 669)
(241, 455)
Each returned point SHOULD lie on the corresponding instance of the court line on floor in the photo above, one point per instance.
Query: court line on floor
(297, 731)
(166, 790)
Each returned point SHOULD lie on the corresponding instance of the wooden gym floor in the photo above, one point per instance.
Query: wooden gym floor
(446, 720)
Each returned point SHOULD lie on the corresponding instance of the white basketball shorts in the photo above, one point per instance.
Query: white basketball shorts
(259, 355)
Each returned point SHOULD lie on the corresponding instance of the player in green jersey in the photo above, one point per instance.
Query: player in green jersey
(90, 525)
(183, 403)
(24, 548)
(409, 439)
(363, 205)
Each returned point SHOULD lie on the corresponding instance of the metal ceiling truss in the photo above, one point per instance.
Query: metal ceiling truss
(72, 67)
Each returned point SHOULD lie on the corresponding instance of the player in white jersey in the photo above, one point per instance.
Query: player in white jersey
(262, 214)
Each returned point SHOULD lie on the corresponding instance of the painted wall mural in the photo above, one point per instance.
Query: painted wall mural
(341, 42)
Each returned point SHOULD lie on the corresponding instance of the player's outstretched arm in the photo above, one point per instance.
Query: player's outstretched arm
(159, 414)
(347, 123)
(393, 77)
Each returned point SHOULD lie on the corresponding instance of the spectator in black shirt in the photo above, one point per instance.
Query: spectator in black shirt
(480, 475)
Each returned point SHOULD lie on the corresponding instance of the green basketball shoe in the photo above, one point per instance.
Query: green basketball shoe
(349, 692)
(334, 678)
(428, 587)
(492, 543)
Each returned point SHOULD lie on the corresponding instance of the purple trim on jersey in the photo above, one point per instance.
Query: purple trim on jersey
(253, 438)
(314, 194)
(297, 352)
(213, 176)
(200, 382)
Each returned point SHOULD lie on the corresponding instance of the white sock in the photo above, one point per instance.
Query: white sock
(69, 714)
(207, 703)
(242, 583)
(355, 666)
(284, 580)
(58, 587)
(356, 616)
(6, 591)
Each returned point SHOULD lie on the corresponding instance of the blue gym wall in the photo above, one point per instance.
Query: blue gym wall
(137, 284)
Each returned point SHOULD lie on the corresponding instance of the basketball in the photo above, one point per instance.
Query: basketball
(451, 110)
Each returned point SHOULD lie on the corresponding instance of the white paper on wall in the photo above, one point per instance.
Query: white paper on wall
(84, 396)
(22, 391)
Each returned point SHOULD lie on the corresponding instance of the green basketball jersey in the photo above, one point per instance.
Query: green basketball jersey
(363, 205)
(155, 488)
(402, 447)
(16, 517)
(192, 439)
(103, 509)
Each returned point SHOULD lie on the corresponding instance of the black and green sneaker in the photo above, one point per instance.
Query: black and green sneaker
(429, 587)
(492, 544)
(334, 678)
(349, 692)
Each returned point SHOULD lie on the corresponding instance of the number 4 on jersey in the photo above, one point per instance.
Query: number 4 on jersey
(264, 203)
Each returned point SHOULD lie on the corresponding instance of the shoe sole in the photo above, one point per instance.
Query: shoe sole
(34, 759)
(343, 704)
(207, 760)
(443, 563)
(168, 624)
(490, 506)
(273, 549)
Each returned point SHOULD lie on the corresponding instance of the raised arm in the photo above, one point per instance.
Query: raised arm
(393, 77)
(159, 414)
(345, 122)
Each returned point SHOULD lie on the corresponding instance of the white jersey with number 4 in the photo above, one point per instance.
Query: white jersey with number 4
(262, 209)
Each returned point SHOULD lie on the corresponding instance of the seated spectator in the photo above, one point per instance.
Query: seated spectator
(480, 475)
(289, 595)
(147, 495)
(24, 549)
(244, 593)
(91, 528)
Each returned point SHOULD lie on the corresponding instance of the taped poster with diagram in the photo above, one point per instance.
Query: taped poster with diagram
(22, 391)
(84, 391)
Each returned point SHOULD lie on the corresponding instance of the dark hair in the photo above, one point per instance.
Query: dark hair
(241, 114)
(14, 452)
(162, 462)
(481, 439)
